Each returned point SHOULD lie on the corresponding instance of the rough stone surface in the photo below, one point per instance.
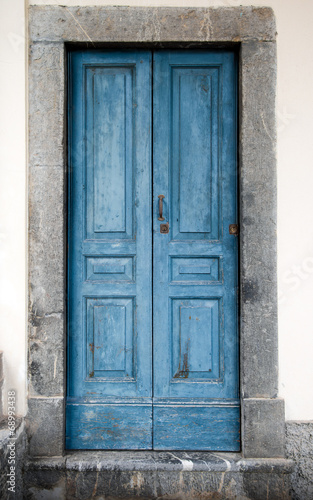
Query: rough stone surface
(263, 427)
(299, 448)
(46, 355)
(153, 460)
(12, 448)
(49, 28)
(46, 105)
(259, 349)
(246, 23)
(258, 486)
(157, 475)
(45, 426)
(46, 242)
(140, 24)
(46, 484)
(46, 342)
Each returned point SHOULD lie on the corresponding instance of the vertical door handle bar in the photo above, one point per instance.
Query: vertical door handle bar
(161, 196)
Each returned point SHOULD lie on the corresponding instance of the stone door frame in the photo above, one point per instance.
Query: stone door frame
(253, 31)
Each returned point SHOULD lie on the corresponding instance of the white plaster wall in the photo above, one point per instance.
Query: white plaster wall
(295, 181)
(12, 197)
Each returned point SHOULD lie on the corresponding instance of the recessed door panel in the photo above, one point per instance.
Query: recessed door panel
(195, 339)
(194, 124)
(109, 160)
(113, 269)
(196, 270)
(110, 338)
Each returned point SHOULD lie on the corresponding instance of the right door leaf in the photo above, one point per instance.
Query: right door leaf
(196, 371)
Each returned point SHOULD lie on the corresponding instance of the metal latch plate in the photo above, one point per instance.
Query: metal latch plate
(164, 228)
(234, 229)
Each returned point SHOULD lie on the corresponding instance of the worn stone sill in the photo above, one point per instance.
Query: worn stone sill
(161, 461)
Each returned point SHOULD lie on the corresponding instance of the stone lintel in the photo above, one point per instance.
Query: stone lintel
(150, 24)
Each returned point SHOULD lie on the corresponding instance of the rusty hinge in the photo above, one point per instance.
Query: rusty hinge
(234, 229)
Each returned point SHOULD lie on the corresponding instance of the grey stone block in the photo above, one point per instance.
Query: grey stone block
(259, 348)
(46, 241)
(157, 475)
(127, 24)
(45, 426)
(299, 448)
(263, 428)
(46, 104)
(46, 353)
(243, 24)
(154, 460)
(258, 486)
(46, 281)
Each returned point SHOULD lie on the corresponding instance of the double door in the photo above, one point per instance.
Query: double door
(152, 251)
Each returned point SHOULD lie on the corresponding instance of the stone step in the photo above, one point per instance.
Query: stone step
(157, 475)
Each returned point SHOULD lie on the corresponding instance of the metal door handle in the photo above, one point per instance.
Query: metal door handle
(161, 196)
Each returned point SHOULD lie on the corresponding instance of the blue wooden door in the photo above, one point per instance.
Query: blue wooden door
(191, 399)
(195, 264)
(109, 394)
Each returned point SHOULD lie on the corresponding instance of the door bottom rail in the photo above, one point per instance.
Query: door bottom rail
(163, 425)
